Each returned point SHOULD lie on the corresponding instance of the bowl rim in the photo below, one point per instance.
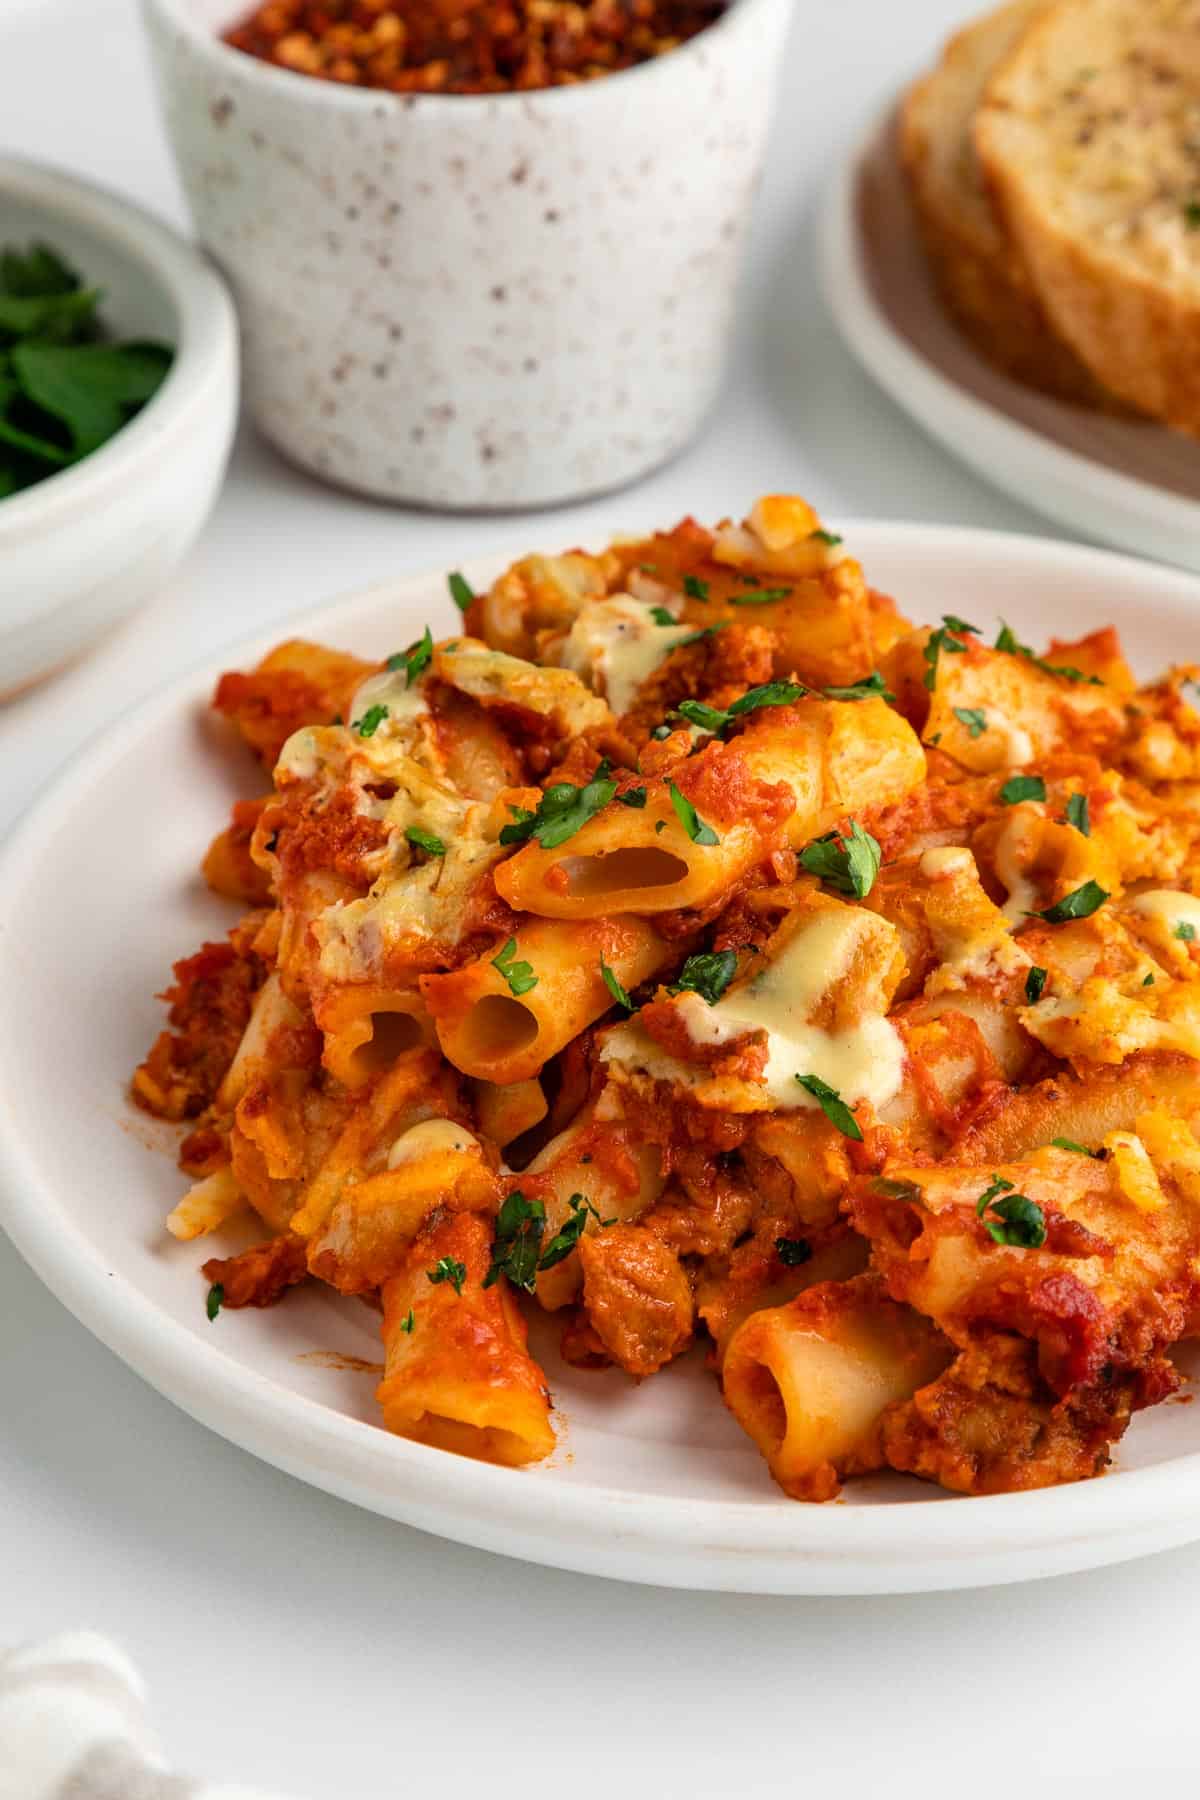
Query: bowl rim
(206, 350)
(337, 96)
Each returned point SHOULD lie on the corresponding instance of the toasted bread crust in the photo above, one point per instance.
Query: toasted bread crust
(1129, 310)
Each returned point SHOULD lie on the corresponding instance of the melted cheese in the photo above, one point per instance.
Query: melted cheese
(391, 689)
(615, 645)
(431, 1137)
(299, 759)
(1168, 908)
(1015, 747)
(1011, 846)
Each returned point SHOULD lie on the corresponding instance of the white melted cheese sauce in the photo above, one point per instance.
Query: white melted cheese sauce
(390, 688)
(1022, 892)
(433, 1137)
(981, 947)
(615, 645)
(1168, 907)
(864, 1061)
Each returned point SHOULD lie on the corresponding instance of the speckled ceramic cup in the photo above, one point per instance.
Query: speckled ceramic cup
(475, 302)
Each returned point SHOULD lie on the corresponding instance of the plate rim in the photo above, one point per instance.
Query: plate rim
(736, 1545)
(900, 368)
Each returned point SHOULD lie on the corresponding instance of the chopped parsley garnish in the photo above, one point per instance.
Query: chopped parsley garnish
(520, 1224)
(707, 718)
(846, 861)
(1015, 1220)
(415, 660)
(1077, 814)
(1148, 980)
(690, 819)
(661, 616)
(447, 1268)
(949, 638)
(519, 975)
(1191, 215)
(370, 722)
(1008, 641)
(861, 690)
(698, 637)
(824, 537)
(1063, 1143)
(1185, 931)
(612, 983)
(1035, 983)
(215, 1301)
(896, 1190)
(792, 1252)
(1080, 903)
(565, 1240)
(707, 974)
(634, 796)
(832, 1105)
(719, 719)
(973, 718)
(562, 811)
(756, 596)
(425, 840)
(408, 1323)
(461, 591)
(1022, 787)
(695, 588)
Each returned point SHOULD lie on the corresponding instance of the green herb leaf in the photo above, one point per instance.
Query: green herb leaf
(847, 862)
(36, 273)
(708, 974)
(1185, 931)
(998, 1186)
(447, 1268)
(215, 1301)
(1035, 983)
(408, 1323)
(862, 690)
(615, 988)
(415, 660)
(1022, 787)
(832, 1105)
(689, 818)
(93, 388)
(1077, 814)
(519, 975)
(370, 722)
(695, 588)
(1009, 642)
(661, 616)
(945, 639)
(1081, 903)
(1191, 215)
(698, 637)
(973, 719)
(768, 693)
(425, 840)
(565, 1240)
(562, 811)
(707, 718)
(461, 591)
(634, 796)
(1016, 1221)
(793, 1252)
(517, 1245)
(756, 596)
(1064, 1143)
(1148, 980)
(896, 1190)
(825, 537)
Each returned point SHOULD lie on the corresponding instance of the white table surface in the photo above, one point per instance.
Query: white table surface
(294, 1641)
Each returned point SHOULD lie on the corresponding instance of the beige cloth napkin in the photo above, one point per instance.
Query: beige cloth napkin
(73, 1726)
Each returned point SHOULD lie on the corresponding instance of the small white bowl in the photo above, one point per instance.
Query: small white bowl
(84, 547)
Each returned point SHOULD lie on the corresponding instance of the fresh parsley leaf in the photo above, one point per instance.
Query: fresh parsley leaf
(661, 616)
(447, 1268)
(708, 974)
(792, 1252)
(768, 693)
(425, 840)
(517, 1245)
(461, 591)
(1015, 1220)
(615, 988)
(707, 718)
(847, 862)
(565, 1240)
(519, 975)
(973, 718)
(562, 811)
(634, 796)
(689, 818)
(370, 722)
(1080, 903)
(215, 1300)
(415, 660)
(698, 637)
(757, 596)
(998, 1186)
(36, 273)
(896, 1190)
(1065, 1143)
(1191, 215)
(1022, 787)
(1185, 931)
(961, 626)
(1077, 814)
(408, 1323)
(1035, 984)
(832, 1105)
(861, 690)
(1009, 642)
(948, 637)
(1148, 980)
(695, 588)
(825, 537)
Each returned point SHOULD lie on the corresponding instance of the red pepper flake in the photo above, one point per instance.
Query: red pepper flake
(467, 46)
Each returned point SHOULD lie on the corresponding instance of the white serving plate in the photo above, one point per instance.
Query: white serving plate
(1122, 481)
(99, 893)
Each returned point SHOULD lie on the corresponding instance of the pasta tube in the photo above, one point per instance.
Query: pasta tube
(457, 1372)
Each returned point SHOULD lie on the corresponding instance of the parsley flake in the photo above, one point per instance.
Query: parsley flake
(792, 1252)
(408, 1323)
(1185, 931)
(565, 1240)
(370, 722)
(461, 591)
(760, 596)
(1015, 1220)
(519, 975)
(1077, 814)
(215, 1300)
(707, 718)
(619, 993)
(1065, 1143)
(708, 974)
(661, 616)
(415, 660)
(634, 796)
(425, 840)
(562, 811)
(1022, 787)
(1009, 642)
(695, 588)
(832, 1105)
(949, 638)
(846, 861)
(1148, 980)
(719, 719)
(824, 537)
(698, 637)
(447, 1268)
(862, 690)
(689, 818)
(973, 718)
(1080, 903)
(1191, 215)
(1035, 983)
(520, 1224)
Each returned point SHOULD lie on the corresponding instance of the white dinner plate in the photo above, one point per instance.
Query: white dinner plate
(1122, 481)
(99, 893)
